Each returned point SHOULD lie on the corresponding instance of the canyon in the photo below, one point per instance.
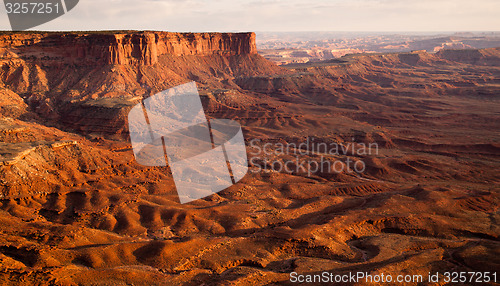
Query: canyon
(301, 47)
(76, 209)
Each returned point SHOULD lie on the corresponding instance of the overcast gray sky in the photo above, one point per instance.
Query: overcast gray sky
(278, 15)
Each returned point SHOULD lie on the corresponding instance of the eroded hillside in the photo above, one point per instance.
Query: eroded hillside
(76, 209)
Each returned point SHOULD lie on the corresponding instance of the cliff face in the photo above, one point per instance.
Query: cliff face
(126, 48)
(488, 57)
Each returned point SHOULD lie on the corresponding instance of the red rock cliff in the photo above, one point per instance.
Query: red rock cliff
(130, 47)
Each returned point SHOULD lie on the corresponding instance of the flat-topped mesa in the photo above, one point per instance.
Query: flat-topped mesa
(132, 47)
(146, 47)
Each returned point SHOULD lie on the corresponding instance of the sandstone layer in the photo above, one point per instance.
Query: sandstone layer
(130, 47)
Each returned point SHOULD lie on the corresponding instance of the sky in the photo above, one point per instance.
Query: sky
(277, 15)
